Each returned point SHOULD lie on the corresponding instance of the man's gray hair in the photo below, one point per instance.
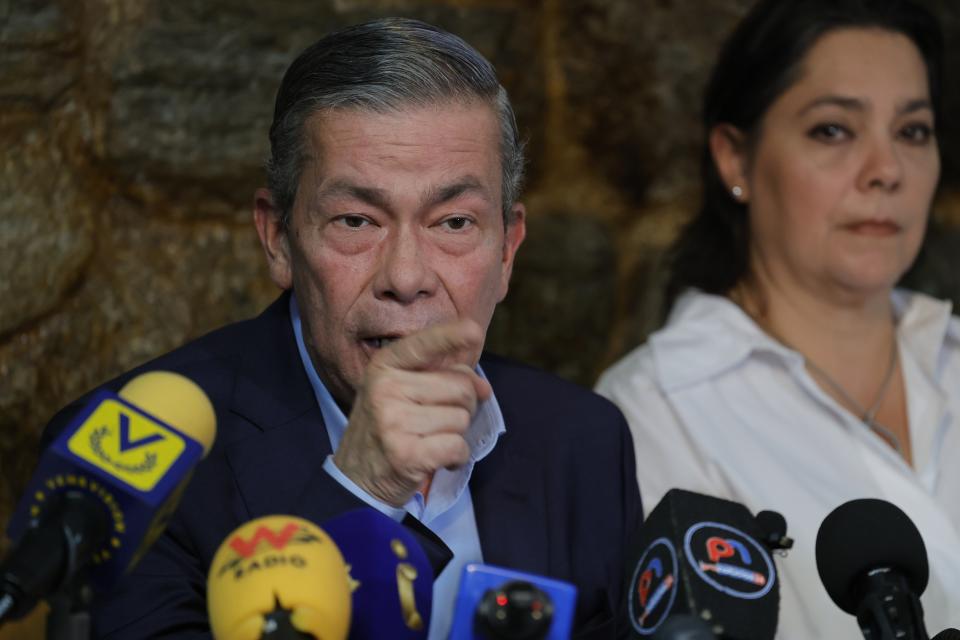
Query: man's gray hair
(383, 66)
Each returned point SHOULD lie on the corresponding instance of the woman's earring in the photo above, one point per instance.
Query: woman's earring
(737, 192)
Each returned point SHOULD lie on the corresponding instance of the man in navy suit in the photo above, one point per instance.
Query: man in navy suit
(391, 222)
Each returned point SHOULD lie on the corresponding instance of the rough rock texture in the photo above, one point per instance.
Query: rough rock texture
(640, 116)
(192, 93)
(46, 229)
(564, 299)
(39, 39)
(134, 132)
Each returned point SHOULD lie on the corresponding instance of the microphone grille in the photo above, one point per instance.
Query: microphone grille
(175, 399)
(866, 534)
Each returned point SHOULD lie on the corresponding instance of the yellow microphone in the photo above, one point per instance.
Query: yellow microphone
(278, 577)
(176, 400)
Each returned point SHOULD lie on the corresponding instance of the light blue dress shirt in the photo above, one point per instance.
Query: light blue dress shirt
(448, 512)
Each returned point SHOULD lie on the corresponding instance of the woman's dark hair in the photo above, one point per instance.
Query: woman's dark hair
(760, 61)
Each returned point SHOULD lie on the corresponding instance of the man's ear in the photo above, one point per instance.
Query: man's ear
(273, 238)
(513, 235)
(728, 146)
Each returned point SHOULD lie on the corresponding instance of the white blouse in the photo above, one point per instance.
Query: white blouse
(719, 407)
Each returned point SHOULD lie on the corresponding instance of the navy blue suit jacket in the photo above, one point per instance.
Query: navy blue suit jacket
(557, 496)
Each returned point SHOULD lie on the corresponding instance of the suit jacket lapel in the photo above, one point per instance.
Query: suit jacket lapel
(274, 464)
(508, 492)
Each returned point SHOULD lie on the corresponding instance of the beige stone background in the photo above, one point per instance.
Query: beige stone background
(133, 133)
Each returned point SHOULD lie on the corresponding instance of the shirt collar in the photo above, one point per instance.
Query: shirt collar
(925, 326)
(481, 436)
(698, 318)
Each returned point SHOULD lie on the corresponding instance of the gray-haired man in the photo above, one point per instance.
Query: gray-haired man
(391, 224)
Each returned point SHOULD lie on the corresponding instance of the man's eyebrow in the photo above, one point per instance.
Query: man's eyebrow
(465, 185)
(855, 104)
(378, 197)
(346, 189)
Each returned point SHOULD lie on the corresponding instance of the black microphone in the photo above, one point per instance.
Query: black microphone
(947, 634)
(773, 530)
(873, 563)
(701, 556)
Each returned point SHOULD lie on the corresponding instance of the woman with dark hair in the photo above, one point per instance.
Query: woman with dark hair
(792, 374)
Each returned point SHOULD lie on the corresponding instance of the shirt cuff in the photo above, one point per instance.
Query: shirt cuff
(396, 513)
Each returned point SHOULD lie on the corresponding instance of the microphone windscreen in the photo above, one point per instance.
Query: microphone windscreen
(771, 525)
(947, 634)
(391, 576)
(278, 562)
(175, 399)
(703, 556)
(866, 534)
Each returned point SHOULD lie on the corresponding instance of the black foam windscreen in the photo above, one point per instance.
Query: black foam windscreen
(947, 634)
(701, 556)
(773, 529)
(863, 535)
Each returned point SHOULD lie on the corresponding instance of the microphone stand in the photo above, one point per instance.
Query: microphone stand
(69, 617)
(889, 610)
(51, 558)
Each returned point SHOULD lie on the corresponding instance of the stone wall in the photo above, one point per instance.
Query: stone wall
(133, 132)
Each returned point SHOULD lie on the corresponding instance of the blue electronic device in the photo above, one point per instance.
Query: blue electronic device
(520, 604)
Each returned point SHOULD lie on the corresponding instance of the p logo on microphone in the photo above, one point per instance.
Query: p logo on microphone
(653, 587)
(729, 560)
(127, 444)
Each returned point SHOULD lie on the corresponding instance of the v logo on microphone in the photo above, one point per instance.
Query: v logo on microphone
(130, 445)
(127, 443)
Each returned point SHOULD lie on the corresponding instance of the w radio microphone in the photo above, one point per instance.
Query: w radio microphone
(278, 578)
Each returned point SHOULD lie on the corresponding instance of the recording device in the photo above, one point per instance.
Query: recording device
(873, 563)
(390, 574)
(502, 604)
(278, 577)
(948, 634)
(104, 490)
(684, 627)
(707, 558)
